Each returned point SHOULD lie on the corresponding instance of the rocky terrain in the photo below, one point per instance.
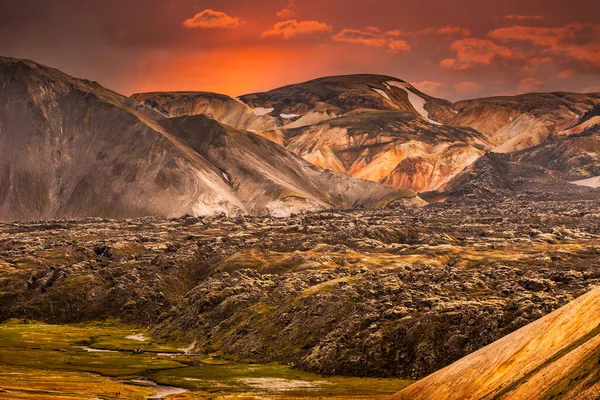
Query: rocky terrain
(397, 292)
(70, 147)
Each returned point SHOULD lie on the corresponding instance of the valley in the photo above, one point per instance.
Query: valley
(87, 361)
(348, 237)
(391, 293)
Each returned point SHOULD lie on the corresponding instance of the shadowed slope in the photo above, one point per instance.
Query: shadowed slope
(70, 147)
(269, 179)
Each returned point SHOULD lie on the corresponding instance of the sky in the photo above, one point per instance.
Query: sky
(452, 49)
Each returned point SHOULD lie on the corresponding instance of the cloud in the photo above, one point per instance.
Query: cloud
(534, 64)
(210, 19)
(372, 36)
(580, 42)
(567, 73)
(518, 17)
(453, 31)
(467, 88)
(540, 36)
(356, 36)
(530, 84)
(288, 11)
(395, 33)
(431, 88)
(398, 45)
(291, 28)
(471, 52)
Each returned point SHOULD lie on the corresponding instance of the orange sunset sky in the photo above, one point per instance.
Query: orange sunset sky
(452, 49)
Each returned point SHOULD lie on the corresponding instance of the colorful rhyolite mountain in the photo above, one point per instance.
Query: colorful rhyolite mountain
(70, 147)
(382, 129)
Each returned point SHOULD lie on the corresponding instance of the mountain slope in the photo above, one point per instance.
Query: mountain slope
(554, 357)
(266, 177)
(220, 107)
(519, 122)
(70, 147)
(392, 147)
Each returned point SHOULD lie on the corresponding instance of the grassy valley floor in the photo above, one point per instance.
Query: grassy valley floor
(96, 361)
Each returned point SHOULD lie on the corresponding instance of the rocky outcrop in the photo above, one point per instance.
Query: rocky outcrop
(392, 292)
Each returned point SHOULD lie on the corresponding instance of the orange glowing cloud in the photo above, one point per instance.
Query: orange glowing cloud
(471, 52)
(398, 45)
(529, 85)
(453, 31)
(291, 28)
(355, 36)
(372, 36)
(286, 13)
(567, 73)
(210, 19)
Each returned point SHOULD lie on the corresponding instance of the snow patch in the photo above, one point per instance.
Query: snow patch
(289, 116)
(415, 100)
(382, 93)
(92, 350)
(260, 111)
(593, 182)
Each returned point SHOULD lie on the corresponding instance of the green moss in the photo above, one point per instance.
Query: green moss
(39, 361)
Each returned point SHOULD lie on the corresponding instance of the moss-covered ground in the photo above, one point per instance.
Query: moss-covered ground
(95, 361)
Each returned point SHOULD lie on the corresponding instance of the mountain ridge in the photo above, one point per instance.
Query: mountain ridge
(74, 148)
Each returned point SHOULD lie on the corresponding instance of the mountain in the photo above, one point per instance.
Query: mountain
(518, 122)
(372, 127)
(565, 167)
(70, 147)
(330, 97)
(382, 129)
(265, 176)
(555, 357)
(220, 107)
(393, 147)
